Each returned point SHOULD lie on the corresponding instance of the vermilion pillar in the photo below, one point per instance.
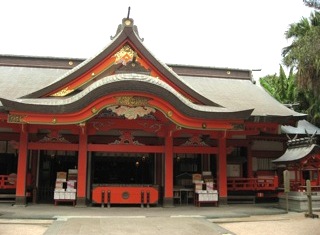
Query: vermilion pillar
(82, 167)
(22, 167)
(168, 185)
(222, 168)
(249, 162)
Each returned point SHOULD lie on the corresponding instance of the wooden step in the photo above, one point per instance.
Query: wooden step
(7, 198)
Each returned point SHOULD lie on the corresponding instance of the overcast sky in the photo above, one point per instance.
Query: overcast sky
(246, 34)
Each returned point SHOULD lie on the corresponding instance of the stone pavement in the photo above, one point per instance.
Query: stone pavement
(65, 219)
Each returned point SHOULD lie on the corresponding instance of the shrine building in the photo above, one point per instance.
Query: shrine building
(124, 128)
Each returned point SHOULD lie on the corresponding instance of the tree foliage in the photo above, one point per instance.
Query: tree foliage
(284, 88)
(304, 52)
(312, 3)
(309, 104)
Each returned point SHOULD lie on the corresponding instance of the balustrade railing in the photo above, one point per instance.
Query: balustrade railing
(253, 184)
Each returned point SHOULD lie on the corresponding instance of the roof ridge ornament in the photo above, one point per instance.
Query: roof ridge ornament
(301, 142)
(127, 23)
(128, 12)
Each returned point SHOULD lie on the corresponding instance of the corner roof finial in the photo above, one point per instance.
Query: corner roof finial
(128, 12)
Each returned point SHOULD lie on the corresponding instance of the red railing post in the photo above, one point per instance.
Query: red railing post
(276, 182)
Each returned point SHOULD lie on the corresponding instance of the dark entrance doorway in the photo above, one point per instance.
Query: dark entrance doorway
(52, 162)
(121, 168)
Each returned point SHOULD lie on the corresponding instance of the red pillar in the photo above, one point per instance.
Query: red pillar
(22, 167)
(168, 185)
(249, 162)
(222, 170)
(82, 167)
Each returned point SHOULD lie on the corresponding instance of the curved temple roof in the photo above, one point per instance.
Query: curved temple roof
(297, 153)
(118, 83)
(220, 97)
(126, 31)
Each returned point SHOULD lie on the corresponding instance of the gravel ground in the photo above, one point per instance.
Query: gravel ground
(292, 224)
(25, 227)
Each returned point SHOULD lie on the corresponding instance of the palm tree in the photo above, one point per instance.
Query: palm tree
(304, 51)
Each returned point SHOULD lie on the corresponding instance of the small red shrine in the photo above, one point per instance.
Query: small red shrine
(133, 129)
(302, 159)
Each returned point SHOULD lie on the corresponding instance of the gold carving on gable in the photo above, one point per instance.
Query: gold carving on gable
(131, 112)
(94, 110)
(125, 55)
(54, 139)
(132, 101)
(195, 140)
(13, 118)
(63, 92)
(132, 107)
(238, 126)
(126, 138)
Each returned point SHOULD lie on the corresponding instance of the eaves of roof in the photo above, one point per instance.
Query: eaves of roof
(296, 153)
(242, 94)
(303, 128)
(117, 84)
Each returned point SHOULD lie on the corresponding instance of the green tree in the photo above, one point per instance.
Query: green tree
(309, 104)
(304, 52)
(282, 87)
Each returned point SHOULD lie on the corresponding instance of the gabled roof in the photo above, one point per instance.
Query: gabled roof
(303, 128)
(241, 94)
(298, 149)
(205, 92)
(25, 80)
(295, 154)
(126, 34)
(119, 83)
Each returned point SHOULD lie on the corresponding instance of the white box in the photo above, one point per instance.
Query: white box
(59, 190)
(67, 195)
(56, 195)
(209, 186)
(73, 190)
(71, 183)
(73, 171)
(62, 195)
(72, 195)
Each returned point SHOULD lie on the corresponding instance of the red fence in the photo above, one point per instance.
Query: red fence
(253, 184)
(8, 181)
